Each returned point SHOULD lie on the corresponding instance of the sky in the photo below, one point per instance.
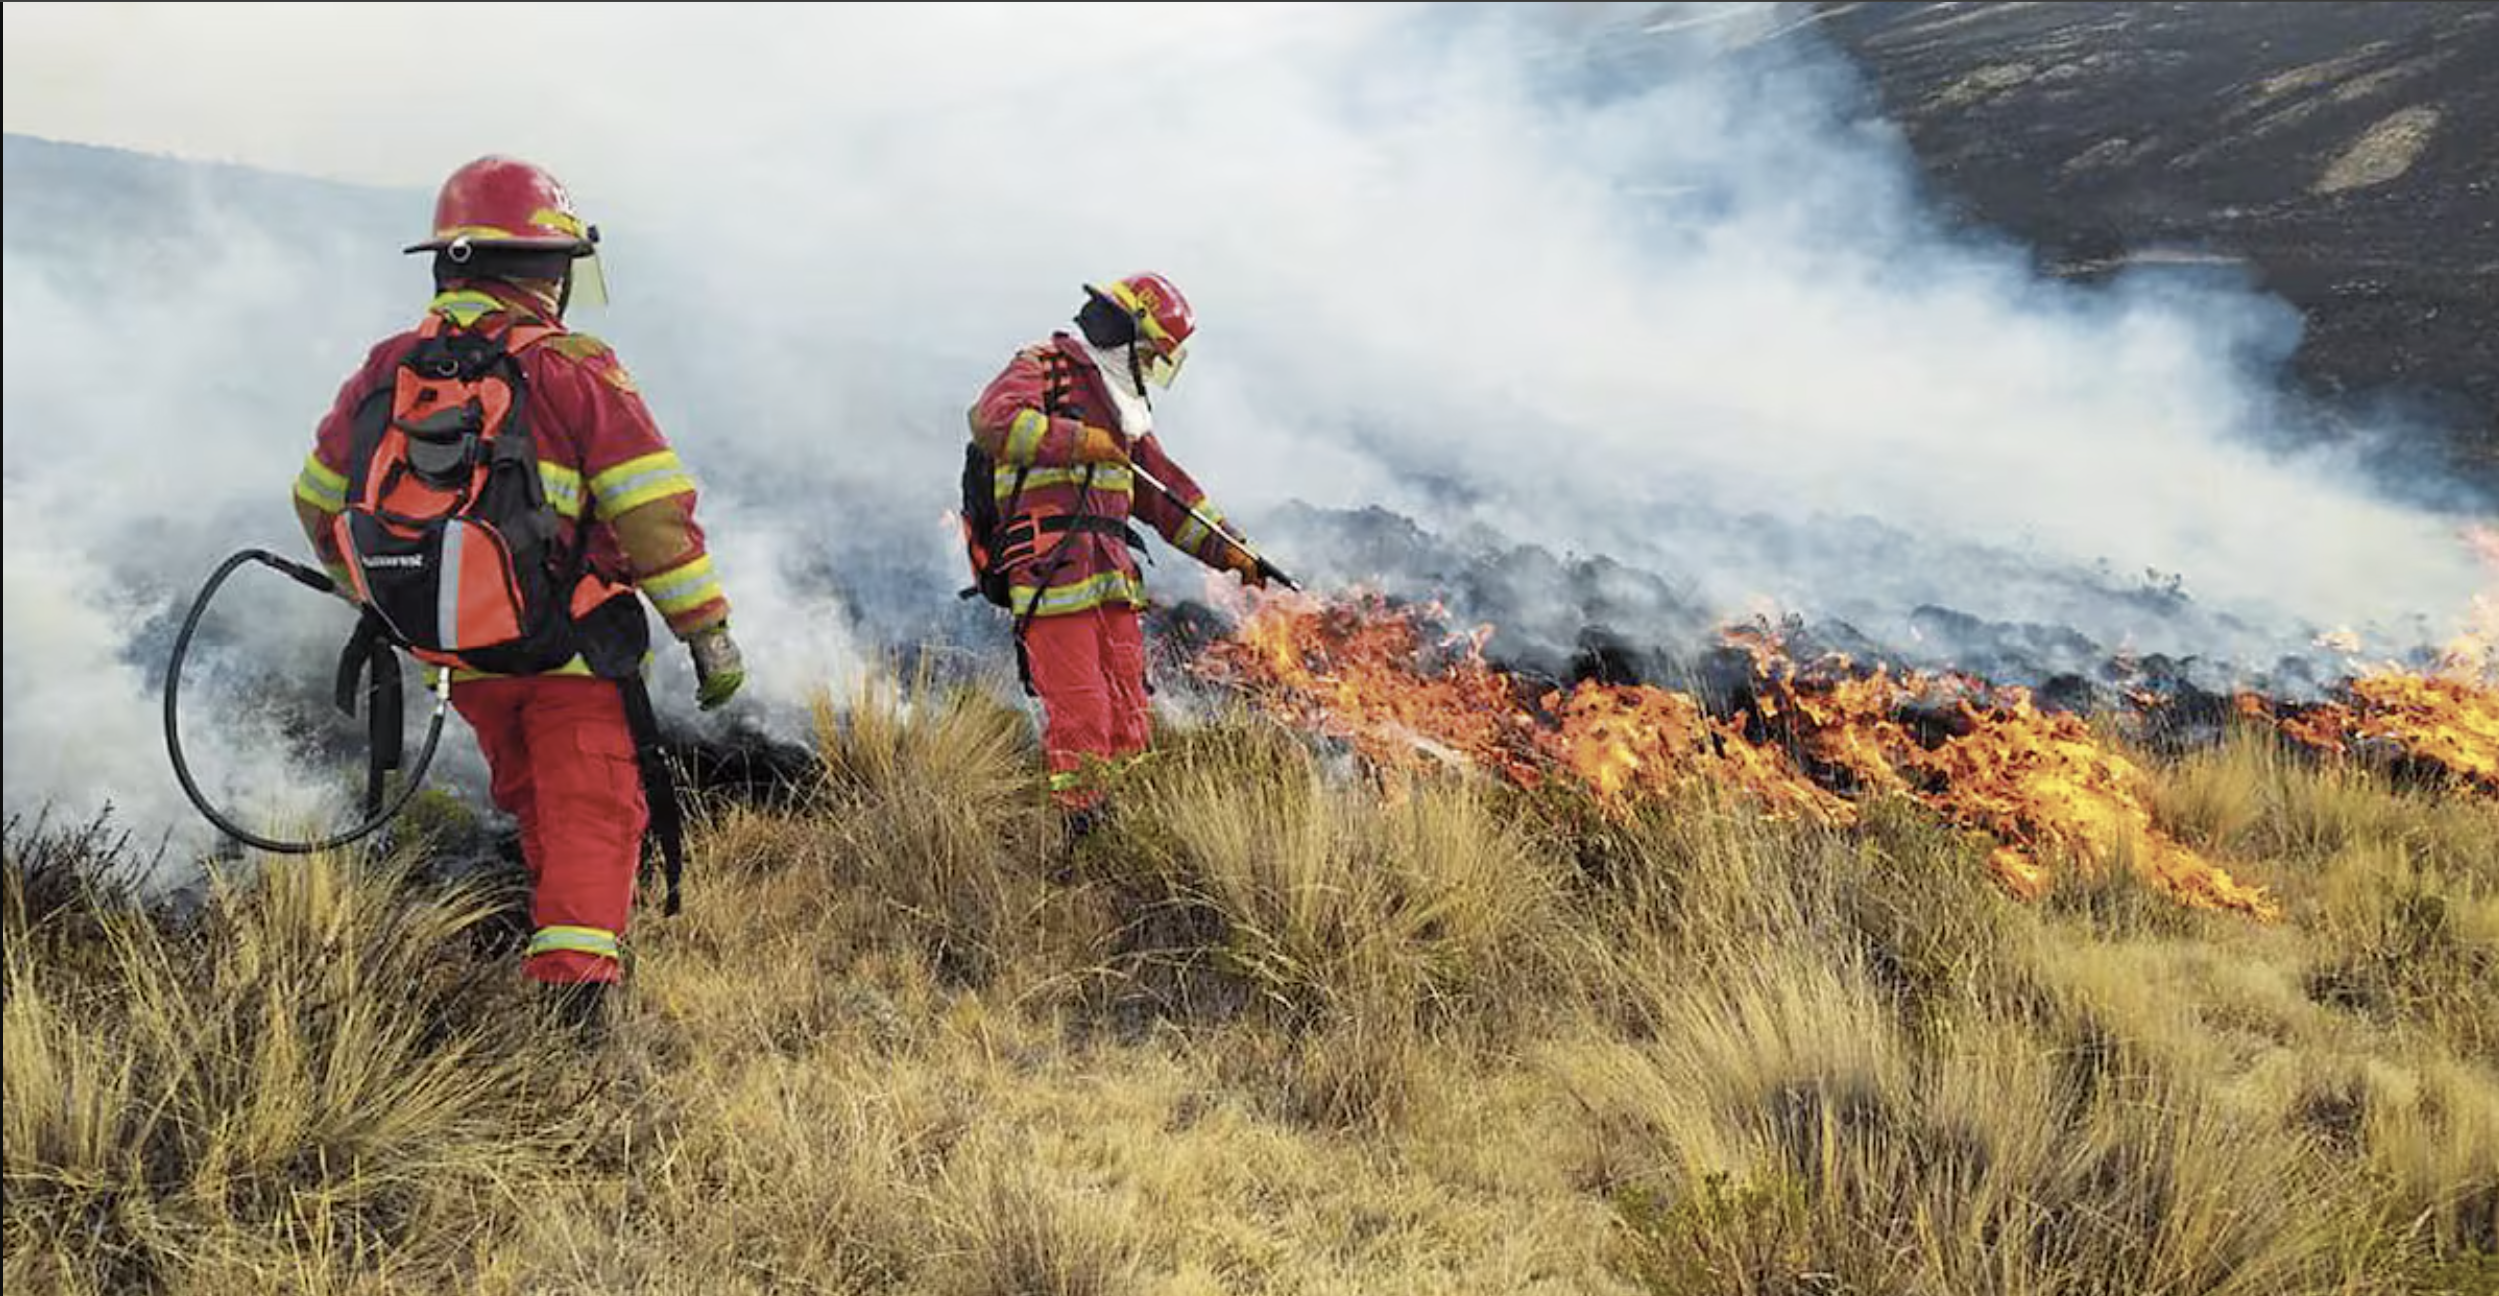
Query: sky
(1695, 311)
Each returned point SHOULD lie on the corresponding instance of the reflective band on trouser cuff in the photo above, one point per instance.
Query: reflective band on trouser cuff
(579, 940)
(318, 486)
(636, 482)
(1066, 780)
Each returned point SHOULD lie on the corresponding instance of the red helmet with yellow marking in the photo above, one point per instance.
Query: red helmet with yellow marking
(1163, 318)
(505, 203)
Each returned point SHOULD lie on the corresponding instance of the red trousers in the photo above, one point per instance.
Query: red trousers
(563, 763)
(1089, 668)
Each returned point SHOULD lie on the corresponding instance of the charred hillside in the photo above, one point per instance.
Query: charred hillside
(2344, 155)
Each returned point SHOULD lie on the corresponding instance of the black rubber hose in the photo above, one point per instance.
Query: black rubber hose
(310, 579)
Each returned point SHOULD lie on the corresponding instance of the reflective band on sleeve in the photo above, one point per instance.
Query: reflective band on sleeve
(684, 588)
(318, 486)
(1024, 436)
(639, 481)
(563, 488)
(578, 940)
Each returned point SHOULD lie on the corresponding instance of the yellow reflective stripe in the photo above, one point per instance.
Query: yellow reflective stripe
(1091, 592)
(318, 486)
(563, 488)
(579, 940)
(1106, 477)
(465, 306)
(550, 218)
(1192, 536)
(1063, 780)
(1024, 436)
(636, 482)
(682, 589)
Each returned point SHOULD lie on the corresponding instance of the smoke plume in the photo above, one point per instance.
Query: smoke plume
(1647, 282)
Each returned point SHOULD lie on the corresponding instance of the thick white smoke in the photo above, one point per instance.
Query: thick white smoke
(1636, 280)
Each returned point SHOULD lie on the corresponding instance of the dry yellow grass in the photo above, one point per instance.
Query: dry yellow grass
(1281, 1030)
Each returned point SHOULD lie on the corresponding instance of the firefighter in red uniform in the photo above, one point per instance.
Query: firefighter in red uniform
(1070, 430)
(509, 252)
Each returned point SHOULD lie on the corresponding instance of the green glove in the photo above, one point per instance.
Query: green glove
(718, 669)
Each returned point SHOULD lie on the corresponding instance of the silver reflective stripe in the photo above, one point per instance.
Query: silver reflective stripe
(447, 587)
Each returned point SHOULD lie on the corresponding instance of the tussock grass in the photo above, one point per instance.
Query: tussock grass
(936, 798)
(1283, 1027)
(308, 1075)
(1357, 919)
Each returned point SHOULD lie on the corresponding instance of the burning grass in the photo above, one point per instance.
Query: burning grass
(1290, 1027)
(1805, 741)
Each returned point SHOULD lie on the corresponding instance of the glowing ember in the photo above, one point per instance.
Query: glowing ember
(1811, 738)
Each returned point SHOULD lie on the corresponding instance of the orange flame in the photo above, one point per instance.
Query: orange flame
(2445, 717)
(2445, 720)
(1816, 736)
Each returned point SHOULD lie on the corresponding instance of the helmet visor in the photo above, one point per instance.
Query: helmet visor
(589, 283)
(1162, 366)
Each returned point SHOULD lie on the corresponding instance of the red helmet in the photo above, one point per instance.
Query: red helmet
(1164, 321)
(511, 204)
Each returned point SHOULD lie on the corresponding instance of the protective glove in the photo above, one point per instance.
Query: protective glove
(718, 669)
(1251, 568)
(1100, 445)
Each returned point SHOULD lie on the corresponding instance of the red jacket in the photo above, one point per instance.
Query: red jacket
(1031, 419)
(601, 456)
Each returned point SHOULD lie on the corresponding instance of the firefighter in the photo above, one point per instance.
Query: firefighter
(1069, 429)
(509, 255)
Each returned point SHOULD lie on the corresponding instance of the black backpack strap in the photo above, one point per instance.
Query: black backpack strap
(1058, 554)
(659, 785)
(1091, 524)
(1096, 524)
(370, 655)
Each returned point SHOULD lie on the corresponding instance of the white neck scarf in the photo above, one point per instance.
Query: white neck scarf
(1128, 400)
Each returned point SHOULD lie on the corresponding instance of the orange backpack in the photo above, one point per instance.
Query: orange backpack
(448, 534)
